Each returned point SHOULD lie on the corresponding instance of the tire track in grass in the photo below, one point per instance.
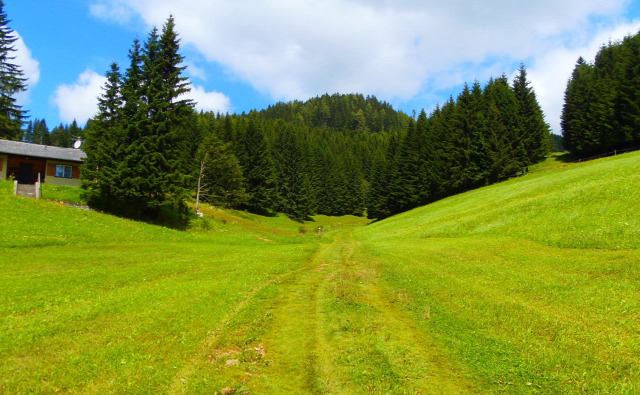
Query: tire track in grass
(297, 350)
(336, 331)
(180, 379)
(380, 348)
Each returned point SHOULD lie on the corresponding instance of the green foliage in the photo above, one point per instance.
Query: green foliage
(136, 158)
(222, 183)
(12, 82)
(339, 113)
(258, 169)
(295, 193)
(601, 112)
(484, 136)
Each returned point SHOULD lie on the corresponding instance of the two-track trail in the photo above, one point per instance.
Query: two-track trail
(330, 327)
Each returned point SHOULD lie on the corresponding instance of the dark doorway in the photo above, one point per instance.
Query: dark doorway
(25, 175)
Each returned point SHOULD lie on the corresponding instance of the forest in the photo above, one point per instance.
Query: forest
(149, 151)
(333, 154)
(601, 112)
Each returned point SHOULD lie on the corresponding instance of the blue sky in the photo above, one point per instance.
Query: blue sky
(244, 55)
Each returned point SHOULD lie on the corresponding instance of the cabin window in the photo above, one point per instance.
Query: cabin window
(63, 171)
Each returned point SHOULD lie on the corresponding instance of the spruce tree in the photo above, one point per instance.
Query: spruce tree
(534, 130)
(408, 163)
(100, 177)
(377, 207)
(137, 143)
(295, 195)
(259, 170)
(157, 172)
(12, 81)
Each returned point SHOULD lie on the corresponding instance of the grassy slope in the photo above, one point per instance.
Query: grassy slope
(526, 285)
(529, 284)
(92, 302)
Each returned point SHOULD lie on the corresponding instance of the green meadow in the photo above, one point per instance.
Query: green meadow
(531, 285)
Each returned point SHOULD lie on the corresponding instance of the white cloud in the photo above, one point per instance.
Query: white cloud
(209, 101)
(29, 66)
(79, 100)
(103, 10)
(395, 49)
(196, 72)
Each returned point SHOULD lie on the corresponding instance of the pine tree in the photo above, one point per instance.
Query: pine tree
(408, 162)
(534, 130)
(294, 188)
(41, 132)
(259, 170)
(100, 177)
(12, 81)
(27, 134)
(155, 157)
(136, 144)
(377, 207)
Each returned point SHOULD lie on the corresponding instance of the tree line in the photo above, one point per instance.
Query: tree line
(601, 112)
(334, 154)
(63, 135)
(148, 151)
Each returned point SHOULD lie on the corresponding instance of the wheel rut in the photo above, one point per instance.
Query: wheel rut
(330, 327)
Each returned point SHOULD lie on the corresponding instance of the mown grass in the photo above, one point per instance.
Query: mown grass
(50, 192)
(95, 303)
(531, 284)
(526, 286)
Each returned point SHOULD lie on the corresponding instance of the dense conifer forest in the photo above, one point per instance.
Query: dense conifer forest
(334, 154)
(148, 151)
(347, 154)
(602, 101)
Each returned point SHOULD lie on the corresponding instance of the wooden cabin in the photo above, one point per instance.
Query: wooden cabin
(25, 161)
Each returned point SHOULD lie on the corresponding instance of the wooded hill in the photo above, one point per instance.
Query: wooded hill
(148, 151)
(344, 154)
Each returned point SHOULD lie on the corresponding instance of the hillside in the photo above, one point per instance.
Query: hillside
(530, 284)
(341, 113)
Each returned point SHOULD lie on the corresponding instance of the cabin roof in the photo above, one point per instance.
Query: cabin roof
(41, 151)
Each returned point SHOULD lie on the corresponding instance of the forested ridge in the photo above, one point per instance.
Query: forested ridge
(297, 162)
(148, 151)
(333, 154)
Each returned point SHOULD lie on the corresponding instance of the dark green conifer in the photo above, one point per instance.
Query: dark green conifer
(12, 81)
(534, 130)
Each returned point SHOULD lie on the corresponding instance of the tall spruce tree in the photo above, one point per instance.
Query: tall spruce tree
(258, 169)
(293, 181)
(145, 118)
(100, 177)
(12, 81)
(535, 132)
(221, 182)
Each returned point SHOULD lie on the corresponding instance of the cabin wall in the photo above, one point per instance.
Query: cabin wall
(3, 167)
(51, 173)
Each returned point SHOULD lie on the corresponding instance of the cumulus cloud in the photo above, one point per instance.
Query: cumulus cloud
(396, 49)
(209, 101)
(79, 100)
(29, 66)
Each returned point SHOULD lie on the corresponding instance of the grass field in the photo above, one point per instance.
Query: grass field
(526, 286)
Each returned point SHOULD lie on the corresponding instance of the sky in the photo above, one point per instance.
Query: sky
(247, 54)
